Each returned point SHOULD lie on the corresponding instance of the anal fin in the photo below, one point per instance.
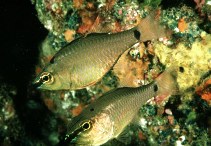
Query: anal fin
(125, 136)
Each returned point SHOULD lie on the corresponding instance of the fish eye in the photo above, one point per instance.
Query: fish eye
(46, 78)
(86, 125)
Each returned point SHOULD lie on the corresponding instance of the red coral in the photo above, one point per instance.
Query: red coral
(205, 90)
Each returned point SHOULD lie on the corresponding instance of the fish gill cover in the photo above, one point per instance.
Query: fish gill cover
(182, 119)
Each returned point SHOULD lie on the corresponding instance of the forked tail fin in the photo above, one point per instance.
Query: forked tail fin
(150, 28)
(167, 82)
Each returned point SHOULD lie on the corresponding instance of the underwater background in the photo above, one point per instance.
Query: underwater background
(33, 31)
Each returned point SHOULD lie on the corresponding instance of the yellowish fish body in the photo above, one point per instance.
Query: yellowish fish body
(107, 117)
(86, 60)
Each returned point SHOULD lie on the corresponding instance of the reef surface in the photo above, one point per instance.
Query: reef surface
(182, 119)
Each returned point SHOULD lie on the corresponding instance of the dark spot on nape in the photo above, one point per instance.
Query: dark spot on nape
(155, 88)
(181, 69)
(137, 34)
(52, 60)
(91, 109)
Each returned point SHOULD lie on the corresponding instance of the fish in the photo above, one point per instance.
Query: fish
(84, 61)
(106, 117)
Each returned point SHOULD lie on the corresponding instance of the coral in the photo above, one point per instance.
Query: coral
(206, 16)
(64, 18)
(173, 120)
(152, 3)
(52, 14)
(183, 22)
(131, 67)
(10, 125)
(175, 124)
(204, 90)
(194, 62)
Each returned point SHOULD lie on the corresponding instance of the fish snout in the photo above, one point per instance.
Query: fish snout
(45, 78)
(37, 83)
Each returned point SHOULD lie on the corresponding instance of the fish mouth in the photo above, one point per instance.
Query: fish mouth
(70, 139)
(37, 83)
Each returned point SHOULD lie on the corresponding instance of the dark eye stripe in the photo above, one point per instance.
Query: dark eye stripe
(74, 134)
(74, 121)
(37, 84)
(68, 139)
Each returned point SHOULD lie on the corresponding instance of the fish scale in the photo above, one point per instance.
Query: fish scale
(77, 65)
(68, 71)
(131, 104)
(111, 113)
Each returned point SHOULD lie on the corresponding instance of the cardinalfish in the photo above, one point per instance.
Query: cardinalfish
(107, 116)
(84, 61)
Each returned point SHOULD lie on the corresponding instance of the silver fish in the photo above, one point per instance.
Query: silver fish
(86, 60)
(107, 117)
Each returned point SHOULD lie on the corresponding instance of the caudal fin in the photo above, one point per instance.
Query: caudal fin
(150, 28)
(167, 82)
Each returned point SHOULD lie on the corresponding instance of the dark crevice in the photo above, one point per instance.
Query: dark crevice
(21, 34)
(166, 4)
